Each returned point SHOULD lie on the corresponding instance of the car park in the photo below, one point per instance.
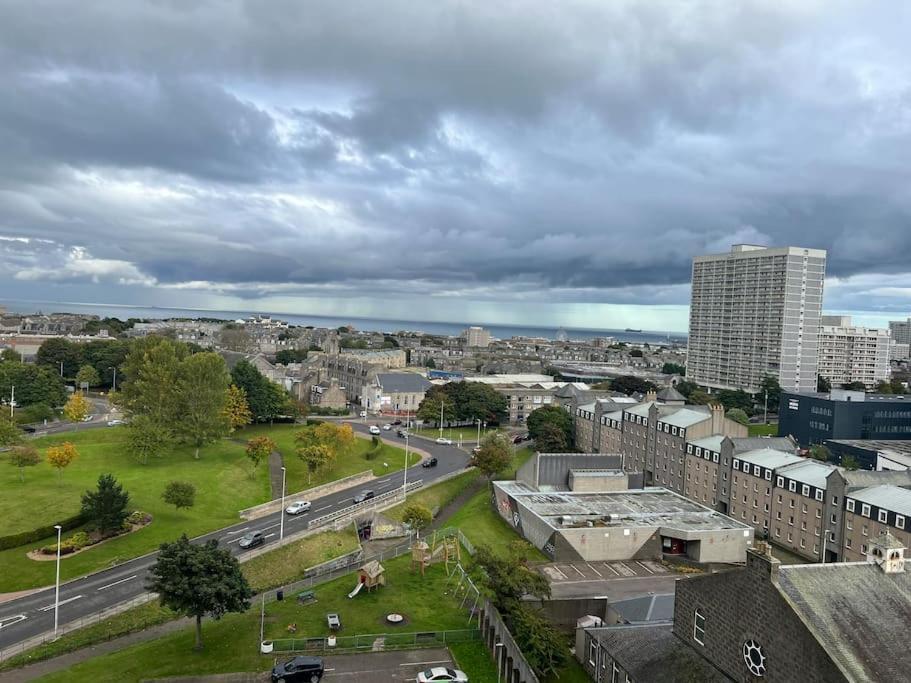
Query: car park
(303, 669)
(374, 429)
(444, 441)
(429, 462)
(251, 539)
(442, 673)
(298, 507)
(366, 494)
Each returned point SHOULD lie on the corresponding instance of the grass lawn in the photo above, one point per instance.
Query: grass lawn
(436, 496)
(763, 430)
(474, 659)
(353, 463)
(42, 500)
(232, 643)
(454, 433)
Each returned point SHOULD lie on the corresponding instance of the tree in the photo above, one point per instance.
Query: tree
(737, 415)
(673, 369)
(630, 384)
(105, 508)
(854, 386)
(60, 457)
(199, 580)
(430, 363)
(10, 355)
(57, 350)
(823, 385)
(507, 578)
(495, 454)
(883, 387)
(897, 386)
(258, 449)
(146, 438)
(202, 391)
(265, 399)
(180, 494)
(820, 452)
(686, 388)
(417, 516)
(287, 356)
(10, 434)
(34, 384)
(150, 375)
(699, 398)
(22, 456)
(236, 409)
(87, 377)
(77, 407)
(552, 414)
(337, 437)
(235, 337)
(731, 398)
(849, 462)
(429, 408)
(316, 456)
(635, 353)
(551, 439)
(543, 646)
(770, 392)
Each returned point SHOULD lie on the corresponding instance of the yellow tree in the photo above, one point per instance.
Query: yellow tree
(258, 449)
(77, 407)
(316, 457)
(338, 438)
(236, 408)
(60, 457)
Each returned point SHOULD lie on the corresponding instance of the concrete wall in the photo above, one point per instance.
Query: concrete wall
(564, 613)
(609, 543)
(509, 658)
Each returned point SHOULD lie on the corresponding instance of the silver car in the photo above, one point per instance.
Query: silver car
(334, 622)
(298, 507)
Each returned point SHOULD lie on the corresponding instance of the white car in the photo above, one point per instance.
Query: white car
(386, 428)
(445, 442)
(374, 429)
(114, 423)
(442, 673)
(363, 413)
(298, 507)
(88, 418)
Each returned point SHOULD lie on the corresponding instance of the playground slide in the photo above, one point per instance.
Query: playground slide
(357, 589)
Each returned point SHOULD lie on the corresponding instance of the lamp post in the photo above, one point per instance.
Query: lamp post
(57, 585)
(496, 648)
(405, 480)
(479, 431)
(12, 400)
(442, 403)
(114, 388)
(281, 526)
(61, 368)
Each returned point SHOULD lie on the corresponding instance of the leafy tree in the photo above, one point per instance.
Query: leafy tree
(338, 437)
(430, 363)
(552, 414)
(23, 455)
(551, 439)
(673, 369)
(316, 457)
(854, 386)
(699, 398)
(87, 376)
(287, 356)
(202, 390)
(687, 388)
(77, 407)
(59, 457)
(630, 384)
(265, 399)
(37, 412)
(150, 375)
(258, 449)
(820, 452)
(542, 644)
(417, 516)
(897, 386)
(737, 415)
(849, 462)
(635, 353)
(199, 580)
(769, 387)
(823, 385)
(495, 454)
(57, 350)
(10, 434)
(34, 384)
(735, 398)
(508, 578)
(180, 494)
(429, 409)
(146, 438)
(105, 508)
(883, 387)
(236, 409)
(105, 356)
(464, 402)
(10, 355)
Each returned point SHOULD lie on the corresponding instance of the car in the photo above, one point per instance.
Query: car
(444, 441)
(402, 433)
(114, 423)
(386, 428)
(397, 422)
(28, 428)
(442, 673)
(517, 439)
(476, 450)
(374, 429)
(88, 418)
(363, 413)
(429, 462)
(298, 507)
(366, 494)
(333, 620)
(305, 669)
(252, 539)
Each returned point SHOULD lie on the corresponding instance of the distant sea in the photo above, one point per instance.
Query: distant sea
(369, 324)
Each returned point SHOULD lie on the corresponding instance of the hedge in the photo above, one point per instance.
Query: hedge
(32, 535)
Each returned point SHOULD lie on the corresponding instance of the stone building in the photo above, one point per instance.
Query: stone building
(871, 512)
(395, 393)
(328, 394)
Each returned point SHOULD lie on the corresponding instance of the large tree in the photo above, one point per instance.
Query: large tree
(417, 516)
(552, 414)
(146, 438)
(57, 350)
(202, 392)
(315, 456)
(464, 402)
(735, 398)
(543, 646)
(77, 407)
(630, 384)
(34, 384)
(258, 449)
(180, 494)
(105, 508)
(770, 392)
(149, 379)
(199, 580)
(87, 377)
(494, 454)
(265, 399)
(551, 439)
(508, 577)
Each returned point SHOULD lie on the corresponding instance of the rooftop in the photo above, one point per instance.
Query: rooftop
(686, 417)
(398, 382)
(768, 457)
(810, 472)
(713, 443)
(756, 443)
(893, 498)
(899, 446)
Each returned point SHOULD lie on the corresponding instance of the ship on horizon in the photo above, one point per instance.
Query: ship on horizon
(630, 329)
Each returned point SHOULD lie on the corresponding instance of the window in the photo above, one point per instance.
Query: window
(779, 482)
(883, 516)
(757, 470)
(805, 490)
(689, 449)
(850, 505)
(899, 522)
(863, 548)
(699, 627)
(847, 543)
(865, 510)
(792, 486)
(819, 495)
(615, 674)
(592, 653)
(849, 524)
(736, 464)
(714, 457)
(768, 475)
(864, 530)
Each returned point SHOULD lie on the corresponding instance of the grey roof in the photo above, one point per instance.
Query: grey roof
(646, 608)
(861, 479)
(755, 443)
(713, 443)
(686, 417)
(569, 390)
(810, 472)
(863, 625)
(892, 498)
(902, 446)
(402, 382)
(670, 394)
(770, 458)
(654, 653)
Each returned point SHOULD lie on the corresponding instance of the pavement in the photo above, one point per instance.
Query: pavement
(33, 615)
(614, 580)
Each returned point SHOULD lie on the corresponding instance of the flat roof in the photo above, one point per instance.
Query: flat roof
(685, 417)
(893, 498)
(810, 472)
(900, 446)
(713, 443)
(769, 457)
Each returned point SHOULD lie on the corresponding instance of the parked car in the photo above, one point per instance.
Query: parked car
(252, 539)
(374, 429)
(114, 423)
(397, 422)
(334, 622)
(27, 428)
(363, 413)
(386, 428)
(476, 450)
(442, 673)
(429, 462)
(444, 441)
(402, 433)
(518, 439)
(366, 494)
(304, 669)
(298, 507)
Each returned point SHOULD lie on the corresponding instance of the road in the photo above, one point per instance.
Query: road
(33, 614)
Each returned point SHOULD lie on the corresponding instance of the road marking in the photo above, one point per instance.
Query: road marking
(575, 570)
(62, 602)
(117, 582)
(645, 568)
(594, 570)
(238, 531)
(9, 621)
(608, 567)
(325, 507)
(436, 661)
(268, 535)
(234, 541)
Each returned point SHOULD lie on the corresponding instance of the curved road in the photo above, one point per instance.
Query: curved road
(32, 615)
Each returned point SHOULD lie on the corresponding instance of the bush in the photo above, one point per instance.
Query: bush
(77, 541)
(139, 517)
(373, 452)
(32, 535)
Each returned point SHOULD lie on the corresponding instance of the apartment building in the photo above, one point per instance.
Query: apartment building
(798, 505)
(476, 337)
(849, 353)
(755, 312)
(900, 331)
(871, 512)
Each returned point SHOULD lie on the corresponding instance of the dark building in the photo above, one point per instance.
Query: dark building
(872, 454)
(813, 418)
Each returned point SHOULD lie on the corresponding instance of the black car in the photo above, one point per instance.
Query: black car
(28, 428)
(397, 422)
(252, 539)
(367, 494)
(429, 462)
(307, 669)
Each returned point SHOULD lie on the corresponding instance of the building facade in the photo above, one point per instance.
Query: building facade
(477, 338)
(849, 353)
(755, 312)
(900, 331)
(813, 417)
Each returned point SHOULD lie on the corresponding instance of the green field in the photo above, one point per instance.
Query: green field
(763, 430)
(231, 644)
(483, 526)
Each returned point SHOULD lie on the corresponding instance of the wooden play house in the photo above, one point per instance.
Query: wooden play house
(372, 574)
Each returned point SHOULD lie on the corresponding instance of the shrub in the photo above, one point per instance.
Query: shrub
(32, 535)
(77, 541)
(139, 517)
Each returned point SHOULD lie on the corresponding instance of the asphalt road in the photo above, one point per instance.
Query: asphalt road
(33, 614)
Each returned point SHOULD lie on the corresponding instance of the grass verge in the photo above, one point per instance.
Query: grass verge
(762, 430)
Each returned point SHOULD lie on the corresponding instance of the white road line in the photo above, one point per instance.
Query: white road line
(62, 602)
(577, 571)
(234, 541)
(271, 526)
(117, 582)
(609, 568)
(238, 531)
(594, 570)
(268, 535)
(9, 621)
(645, 568)
(436, 661)
(325, 507)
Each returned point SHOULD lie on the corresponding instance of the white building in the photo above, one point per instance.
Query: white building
(477, 337)
(754, 312)
(852, 354)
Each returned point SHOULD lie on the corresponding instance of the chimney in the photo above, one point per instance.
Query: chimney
(888, 552)
(718, 425)
(760, 560)
(651, 396)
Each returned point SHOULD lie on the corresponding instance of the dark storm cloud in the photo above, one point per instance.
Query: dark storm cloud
(580, 152)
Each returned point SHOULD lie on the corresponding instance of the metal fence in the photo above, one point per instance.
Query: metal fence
(381, 500)
(376, 641)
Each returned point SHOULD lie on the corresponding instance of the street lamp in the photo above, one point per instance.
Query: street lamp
(114, 388)
(57, 585)
(496, 648)
(479, 431)
(281, 528)
(405, 480)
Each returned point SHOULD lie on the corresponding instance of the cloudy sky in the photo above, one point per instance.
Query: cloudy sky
(518, 162)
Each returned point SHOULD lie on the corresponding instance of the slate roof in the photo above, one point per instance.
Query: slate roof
(713, 443)
(810, 472)
(402, 382)
(686, 417)
(892, 498)
(861, 479)
(670, 394)
(770, 458)
(863, 625)
(755, 443)
(654, 653)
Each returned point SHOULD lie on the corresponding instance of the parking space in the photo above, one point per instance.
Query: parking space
(565, 572)
(384, 667)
